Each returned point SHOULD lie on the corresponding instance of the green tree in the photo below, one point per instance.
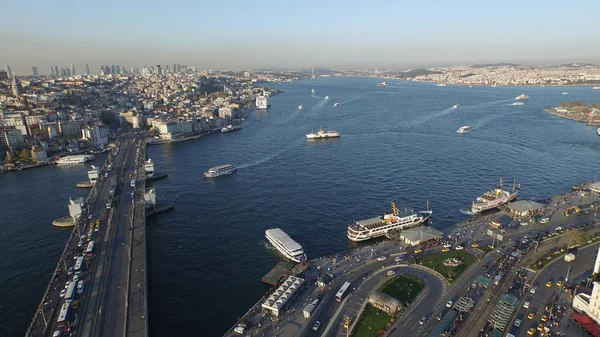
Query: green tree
(24, 155)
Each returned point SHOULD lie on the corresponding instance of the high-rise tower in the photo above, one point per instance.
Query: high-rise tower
(17, 89)
(8, 71)
(87, 69)
(34, 71)
(73, 69)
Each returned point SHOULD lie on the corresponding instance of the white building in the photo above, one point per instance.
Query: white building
(225, 113)
(96, 134)
(172, 129)
(590, 304)
(279, 298)
(11, 137)
(15, 120)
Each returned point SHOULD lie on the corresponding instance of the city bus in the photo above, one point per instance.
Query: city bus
(342, 291)
(63, 314)
(90, 248)
(70, 291)
(78, 264)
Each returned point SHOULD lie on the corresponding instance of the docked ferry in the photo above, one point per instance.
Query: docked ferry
(285, 245)
(220, 170)
(230, 128)
(323, 134)
(396, 220)
(494, 198)
(76, 159)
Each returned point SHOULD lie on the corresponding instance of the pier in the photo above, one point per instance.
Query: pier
(109, 234)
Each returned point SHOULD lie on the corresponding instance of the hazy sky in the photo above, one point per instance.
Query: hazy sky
(245, 34)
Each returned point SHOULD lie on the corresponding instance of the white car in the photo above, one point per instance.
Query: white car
(526, 305)
(447, 245)
(422, 321)
(459, 247)
(240, 328)
(316, 326)
(75, 278)
(449, 304)
(518, 323)
(391, 273)
(63, 293)
(399, 258)
(544, 220)
(381, 258)
(67, 284)
(533, 290)
(559, 228)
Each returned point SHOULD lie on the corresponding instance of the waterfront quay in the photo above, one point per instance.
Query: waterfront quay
(368, 267)
(111, 300)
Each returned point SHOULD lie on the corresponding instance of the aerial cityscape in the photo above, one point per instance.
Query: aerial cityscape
(281, 170)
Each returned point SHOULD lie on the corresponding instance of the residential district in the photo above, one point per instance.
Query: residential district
(43, 118)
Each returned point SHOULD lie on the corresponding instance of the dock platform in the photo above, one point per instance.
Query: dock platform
(281, 269)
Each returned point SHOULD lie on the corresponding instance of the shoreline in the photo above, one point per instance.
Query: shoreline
(578, 118)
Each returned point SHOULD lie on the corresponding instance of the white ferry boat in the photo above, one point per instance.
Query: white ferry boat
(336, 104)
(518, 103)
(494, 198)
(300, 107)
(313, 90)
(262, 102)
(565, 93)
(455, 106)
(323, 134)
(220, 170)
(441, 85)
(326, 97)
(230, 128)
(522, 96)
(76, 159)
(596, 88)
(463, 129)
(376, 227)
(285, 245)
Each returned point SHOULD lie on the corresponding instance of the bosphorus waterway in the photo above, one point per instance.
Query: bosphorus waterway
(398, 143)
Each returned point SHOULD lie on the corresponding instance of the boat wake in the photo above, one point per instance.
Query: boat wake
(467, 212)
(263, 160)
(484, 121)
(424, 119)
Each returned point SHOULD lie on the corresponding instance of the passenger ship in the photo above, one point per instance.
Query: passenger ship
(76, 159)
(494, 198)
(397, 220)
(220, 170)
(323, 134)
(285, 245)
(521, 97)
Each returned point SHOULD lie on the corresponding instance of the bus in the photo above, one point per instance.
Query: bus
(78, 264)
(64, 312)
(90, 248)
(342, 291)
(70, 291)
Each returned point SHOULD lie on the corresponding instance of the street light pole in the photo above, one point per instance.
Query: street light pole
(128, 253)
(126, 310)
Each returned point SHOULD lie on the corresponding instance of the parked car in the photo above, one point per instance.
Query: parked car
(63, 293)
(439, 316)
(544, 220)
(391, 273)
(316, 326)
(526, 305)
(399, 258)
(449, 304)
(423, 319)
(240, 328)
(381, 258)
(459, 247)
(518, 323)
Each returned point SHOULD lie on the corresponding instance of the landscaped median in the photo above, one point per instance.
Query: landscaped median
(449, 265)
(562, 251)
(372, 321)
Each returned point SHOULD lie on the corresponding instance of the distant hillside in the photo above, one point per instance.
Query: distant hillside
(575, 65)
(417, 72)
(495, 65)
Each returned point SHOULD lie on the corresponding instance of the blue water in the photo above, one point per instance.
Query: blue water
(399, 143)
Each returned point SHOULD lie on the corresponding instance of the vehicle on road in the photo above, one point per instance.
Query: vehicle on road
(518, 323)
(423, 320)
(447, 245)
(531, 331)
(449, 304)
(399, 258)
(559, 228)
(381, 258)
(526, 305)
(531, 315)
(63, 292)
(544, 220)
(391, 273)
(418, 250)
(240, 328)
(459, 247)
(445, 250)
(108, 205)
(340, 294)
(439, 316)
(132, 182)
(533, 290)
(549, 284)
(316, 326)
(544, 318)
(559, 283)
(475, 245)
(90, 217)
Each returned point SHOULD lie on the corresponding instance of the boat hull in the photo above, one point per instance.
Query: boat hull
(374, 233)
(494, 204)
(300, 259)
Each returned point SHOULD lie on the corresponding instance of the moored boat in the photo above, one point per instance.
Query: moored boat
(396, 220)
(285, 245)
(494, 198)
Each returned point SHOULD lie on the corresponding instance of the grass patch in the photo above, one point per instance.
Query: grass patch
(399, 287)
(435, 262)
(371, 318)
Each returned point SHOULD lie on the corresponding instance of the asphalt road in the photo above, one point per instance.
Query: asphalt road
(557, 271)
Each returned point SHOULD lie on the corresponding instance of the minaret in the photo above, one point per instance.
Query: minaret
(17, 89)
(597, 264)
